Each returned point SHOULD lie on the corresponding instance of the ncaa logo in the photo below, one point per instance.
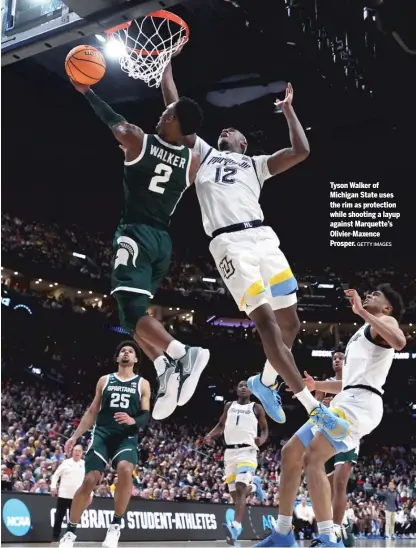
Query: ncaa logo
(16, 517)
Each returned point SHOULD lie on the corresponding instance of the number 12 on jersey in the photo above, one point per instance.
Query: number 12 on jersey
(225, 174)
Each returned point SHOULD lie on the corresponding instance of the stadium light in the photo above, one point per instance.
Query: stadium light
(211, 280)
(79, 255)
(100, 38)
(115, 49)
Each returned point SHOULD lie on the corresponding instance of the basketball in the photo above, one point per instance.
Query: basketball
(85, 65)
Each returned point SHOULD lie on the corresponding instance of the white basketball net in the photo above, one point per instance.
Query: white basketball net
(146, 56)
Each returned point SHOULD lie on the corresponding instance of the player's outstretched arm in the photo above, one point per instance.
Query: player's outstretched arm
(89, 417)
(219, 428)
(286, 158)
(264, 427)
(128, 135)
(171, 95)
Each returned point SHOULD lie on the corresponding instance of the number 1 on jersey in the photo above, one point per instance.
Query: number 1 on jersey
(163, 175)
(238, 418)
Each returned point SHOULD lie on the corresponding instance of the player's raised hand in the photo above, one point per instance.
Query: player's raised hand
(355, 300)
(82, 88)
(124, 418)
(287, 101)
(69, 445)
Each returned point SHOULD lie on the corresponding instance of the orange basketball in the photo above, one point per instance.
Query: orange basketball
(85, 65)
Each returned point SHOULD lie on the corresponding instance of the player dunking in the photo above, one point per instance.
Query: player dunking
(339, 468)
(368, 359)
(119, 410)
(247, 254)
(157, 170)
(240, 422)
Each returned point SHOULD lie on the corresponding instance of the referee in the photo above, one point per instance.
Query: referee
(71, 472)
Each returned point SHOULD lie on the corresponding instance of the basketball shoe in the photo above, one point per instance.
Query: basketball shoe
(190, 368)
(232, 532)
(269, 398)
(167, 395)
(330, 422)
(113, 534)
(67, 541)
(276, 539)
(325, 540)
(259, 491)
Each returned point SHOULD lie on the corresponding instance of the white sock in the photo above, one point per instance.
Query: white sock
(338, 530)
(327, 528)
(284, 524)
(307, 400)
(160, 365)
(176, 350)
(236, 524)
(268, 377)
(345, 519)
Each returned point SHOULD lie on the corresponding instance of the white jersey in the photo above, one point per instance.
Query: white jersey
(366, 362)
(228, 186)
(241, 424)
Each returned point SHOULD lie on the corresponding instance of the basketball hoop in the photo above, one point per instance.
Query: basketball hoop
(146, 46)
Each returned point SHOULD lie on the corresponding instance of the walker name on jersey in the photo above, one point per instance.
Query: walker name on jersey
(222, 160)
(128, 389)
(101, 519)
(167, 157)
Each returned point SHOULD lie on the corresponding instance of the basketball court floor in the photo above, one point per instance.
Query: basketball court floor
(219, 544)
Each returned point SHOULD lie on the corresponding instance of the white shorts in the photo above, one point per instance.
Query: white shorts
(239, 461)
(254, 269)
(362, 408)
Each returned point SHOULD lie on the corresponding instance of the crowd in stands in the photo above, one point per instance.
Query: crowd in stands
(175, 465)
(53, 245)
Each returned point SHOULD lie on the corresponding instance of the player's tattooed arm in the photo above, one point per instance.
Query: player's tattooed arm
(286, 158)
(219, 428)
(128, 135)
(171, 95)
(264, 427)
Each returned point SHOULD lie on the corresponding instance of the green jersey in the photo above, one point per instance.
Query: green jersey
(119, 396)
(154, 182)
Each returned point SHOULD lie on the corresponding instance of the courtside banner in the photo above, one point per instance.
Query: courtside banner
(29, 518)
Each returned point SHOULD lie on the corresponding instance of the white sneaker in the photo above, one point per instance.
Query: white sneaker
(191, 367)
(113, 534)
(67, 541)
(167, 395)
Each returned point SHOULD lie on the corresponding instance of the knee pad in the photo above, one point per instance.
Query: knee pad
(244, 477)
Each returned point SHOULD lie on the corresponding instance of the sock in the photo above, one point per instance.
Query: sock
(160, 365)
(72, 528)
(327, 528)
(116, 520)
(307, 400)
(268, 377)
(284, 524)
(176, 350)
(345, 519)
(236, 524)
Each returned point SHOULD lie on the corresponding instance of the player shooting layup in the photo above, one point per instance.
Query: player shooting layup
(247, 254)
(240, 422)
(157, 171)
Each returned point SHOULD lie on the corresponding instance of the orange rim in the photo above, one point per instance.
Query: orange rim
(162, 14)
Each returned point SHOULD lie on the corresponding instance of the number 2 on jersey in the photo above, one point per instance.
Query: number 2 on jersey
(120, 400)
(163, 175)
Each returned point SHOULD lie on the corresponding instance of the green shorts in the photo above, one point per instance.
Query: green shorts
(106, 445)
(341, 458)
(141, 262)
